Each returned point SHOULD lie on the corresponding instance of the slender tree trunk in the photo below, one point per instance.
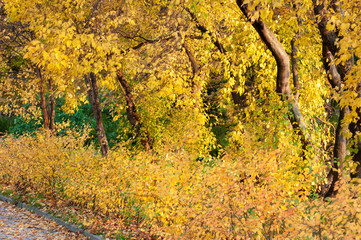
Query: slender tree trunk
(294, 59)
(283, 70)
(196, 69)
(339, 155)
(132, 113)
(355, 127)
(42, 98)
(329, 47)
(294, 56)
(203, 29)
(91, 83)
(52, 106)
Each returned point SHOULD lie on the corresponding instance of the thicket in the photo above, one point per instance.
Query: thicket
(252, 195)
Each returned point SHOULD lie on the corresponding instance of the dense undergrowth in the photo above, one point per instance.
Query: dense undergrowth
(171, 195)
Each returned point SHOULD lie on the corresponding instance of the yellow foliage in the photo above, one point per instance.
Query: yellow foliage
(256, 195)
(261, 188)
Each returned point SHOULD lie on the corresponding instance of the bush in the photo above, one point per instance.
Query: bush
(177, 197)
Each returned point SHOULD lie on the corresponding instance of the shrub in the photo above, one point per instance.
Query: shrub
(259, 194)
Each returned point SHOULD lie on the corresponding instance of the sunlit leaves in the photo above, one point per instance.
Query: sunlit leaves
(175, 196)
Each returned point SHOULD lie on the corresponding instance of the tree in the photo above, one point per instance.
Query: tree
(283, 70)
(183, 67)
(337, 67)
(15, 73)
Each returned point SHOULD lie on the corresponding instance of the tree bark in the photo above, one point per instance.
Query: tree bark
(329, 47)
(91, 83)
(336, 75)
(196, 69)
(283, 70)
(339, 155)
(294, 59)
(132, 113)
(52, 106)
(355, 127)
(42, 98)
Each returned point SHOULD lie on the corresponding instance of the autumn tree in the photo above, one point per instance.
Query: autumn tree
(19, 73)
(177, 67)
(283, 70)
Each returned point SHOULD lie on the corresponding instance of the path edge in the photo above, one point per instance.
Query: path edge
(48, 216)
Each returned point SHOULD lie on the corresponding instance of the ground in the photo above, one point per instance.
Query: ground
(19, 224)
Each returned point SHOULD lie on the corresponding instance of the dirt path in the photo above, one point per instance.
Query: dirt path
(19, 224)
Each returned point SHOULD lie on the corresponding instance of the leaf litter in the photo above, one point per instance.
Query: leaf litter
(20, 224)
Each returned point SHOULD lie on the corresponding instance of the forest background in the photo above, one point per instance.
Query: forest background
(184, 118)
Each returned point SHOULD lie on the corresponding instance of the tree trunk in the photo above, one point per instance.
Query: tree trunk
(336, 75)
(42, 98)
(294, 60)
(196, 69)
(283, 70)
(355, 127)
(329, 47)
(91, 84)
(132, 113)
(52, 106)
(339, 155)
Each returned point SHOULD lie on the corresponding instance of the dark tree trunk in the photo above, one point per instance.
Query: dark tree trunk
(52, 106)
(336, 75)
(294, 56)
(196, 69)
(283, 70)
(294, 59)
(92, 89)
(329, 47)
(339, 155)
(203, 29)
(42, 98)
(132, 113)
(355, 127)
